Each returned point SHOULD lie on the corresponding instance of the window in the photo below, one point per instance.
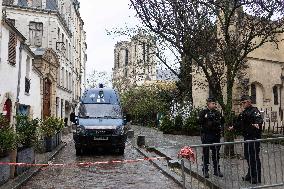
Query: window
(27, 85)
(27, 78)
(28, 66)
(58, 34)
(66, 52)
(144, 52)
(253, 93)
(57, 106)
(62, 105)
(24, 109)
(69, 81)
(62, 45)
(118, 59)
(66, 79)
(12, 48)
(62, 37)
(36, 31)
(8, 2)
(62, 77)
(275, 95)
(148, 52)
(126, 57)
(51, 4)
(69, 52)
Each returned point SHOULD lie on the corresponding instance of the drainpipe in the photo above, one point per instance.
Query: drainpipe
(280, 101)
(19, 75)
(13, 153)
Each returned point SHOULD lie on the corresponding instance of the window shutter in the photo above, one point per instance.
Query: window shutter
(12, 48)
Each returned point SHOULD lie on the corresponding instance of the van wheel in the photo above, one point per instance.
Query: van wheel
(120, 151)
(79, 151)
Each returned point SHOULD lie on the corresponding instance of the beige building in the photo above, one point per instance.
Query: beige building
(134, 62)
(54, 32)
(263, 81)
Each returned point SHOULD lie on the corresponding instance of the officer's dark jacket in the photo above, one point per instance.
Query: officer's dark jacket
(244, 121)
(211, 122)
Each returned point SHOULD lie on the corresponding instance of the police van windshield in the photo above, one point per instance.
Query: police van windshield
(100, 111)
(97, 96)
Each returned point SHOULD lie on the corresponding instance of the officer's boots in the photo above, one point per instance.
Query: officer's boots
(217, 171)
(205, 171)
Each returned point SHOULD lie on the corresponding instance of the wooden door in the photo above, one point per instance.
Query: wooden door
(46, 98)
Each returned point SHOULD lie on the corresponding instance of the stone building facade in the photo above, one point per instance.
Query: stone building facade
(263, 81)
(134, 62)
(54, 32)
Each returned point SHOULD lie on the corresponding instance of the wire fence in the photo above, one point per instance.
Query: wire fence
(254, 164)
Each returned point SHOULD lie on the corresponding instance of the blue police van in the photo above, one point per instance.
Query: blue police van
(100, 122)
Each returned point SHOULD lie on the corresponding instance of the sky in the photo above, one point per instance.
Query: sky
(99, 16)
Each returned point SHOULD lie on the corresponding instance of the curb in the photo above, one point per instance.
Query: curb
(18, 181)
(166, 171)
(177, 164)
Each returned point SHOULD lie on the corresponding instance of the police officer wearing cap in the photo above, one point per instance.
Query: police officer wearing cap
(211, 123)
(249, 122)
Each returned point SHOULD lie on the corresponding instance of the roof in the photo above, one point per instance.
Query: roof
(13, 28)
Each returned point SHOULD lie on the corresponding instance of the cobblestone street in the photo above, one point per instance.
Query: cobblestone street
(129, 175)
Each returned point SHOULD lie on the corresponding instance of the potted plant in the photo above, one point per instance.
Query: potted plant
(58, 129)
(26, 129)
(50, 127)
(48, 131)
(8, 139)
(27, 136)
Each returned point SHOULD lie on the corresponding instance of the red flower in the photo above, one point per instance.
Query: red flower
(187, 153)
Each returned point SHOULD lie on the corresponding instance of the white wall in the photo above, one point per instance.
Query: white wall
(8, 72)
(33, 98)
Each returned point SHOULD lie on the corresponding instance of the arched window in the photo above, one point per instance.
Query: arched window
(144, 52)
(253, 93)
(118, 59)
(275, 95)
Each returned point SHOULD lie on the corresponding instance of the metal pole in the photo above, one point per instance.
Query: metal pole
(183, 174)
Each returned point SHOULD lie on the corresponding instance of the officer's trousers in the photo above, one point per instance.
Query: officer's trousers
(210, 139)
(251, 152)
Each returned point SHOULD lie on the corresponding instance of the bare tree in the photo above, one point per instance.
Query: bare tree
(216, 36)
(98, 77)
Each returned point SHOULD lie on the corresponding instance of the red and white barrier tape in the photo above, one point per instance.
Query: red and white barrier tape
(80, 164)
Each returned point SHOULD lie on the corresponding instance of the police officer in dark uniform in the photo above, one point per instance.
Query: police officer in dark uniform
(249, 122)
(211, 123)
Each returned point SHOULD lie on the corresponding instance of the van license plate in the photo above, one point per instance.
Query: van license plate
(100, 138)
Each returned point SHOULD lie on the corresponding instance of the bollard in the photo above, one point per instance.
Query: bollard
(130, 134)
(140, 140)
